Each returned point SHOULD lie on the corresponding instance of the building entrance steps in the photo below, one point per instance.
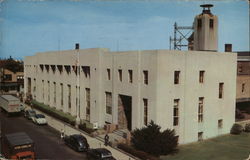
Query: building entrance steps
(117, 136)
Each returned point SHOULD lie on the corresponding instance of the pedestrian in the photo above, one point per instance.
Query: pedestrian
(62, 134)
(106, 140)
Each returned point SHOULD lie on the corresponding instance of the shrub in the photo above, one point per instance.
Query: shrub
(53, 112)
(85, 129)
(247, 127)
(236, 129)
(151, 140)
(136, 153)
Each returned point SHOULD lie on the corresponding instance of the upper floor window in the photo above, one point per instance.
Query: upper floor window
(199, 23)
(242, 87)
(67, 68)
(221, 87)
(108, 73)
(201, 76)
(108, 103)
(130, 76)
(86, 71)
(145, 77)
(211, 23)
(176, 77)
(120, 74)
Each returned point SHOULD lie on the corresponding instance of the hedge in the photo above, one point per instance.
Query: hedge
(85, 128)
(136, 153)
(66, 117)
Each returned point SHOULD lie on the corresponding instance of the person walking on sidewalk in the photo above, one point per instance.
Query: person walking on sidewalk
(62, 134)
(106, 140)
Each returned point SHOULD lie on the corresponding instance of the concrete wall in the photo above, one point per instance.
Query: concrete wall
(205, 37)
(160, 90)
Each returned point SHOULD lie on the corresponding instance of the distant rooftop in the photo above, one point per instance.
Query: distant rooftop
(243, 55)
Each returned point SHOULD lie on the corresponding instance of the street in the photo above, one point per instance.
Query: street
(48, 144)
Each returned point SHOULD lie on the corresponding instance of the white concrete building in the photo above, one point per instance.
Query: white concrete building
(192, 92)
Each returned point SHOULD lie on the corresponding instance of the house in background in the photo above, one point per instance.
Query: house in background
(11, 76)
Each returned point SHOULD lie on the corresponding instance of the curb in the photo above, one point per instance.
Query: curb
(85, 133)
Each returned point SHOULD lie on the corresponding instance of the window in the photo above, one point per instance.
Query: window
(41, 67)
(130, 75)
(86, 71)
(108, 103)
(60, 68)
(34, 88)
(240, 69)
(211, 23)
(145, 77)
(54, 92)
(220, 123)
(48, 91)
(61, 86)
(200, 109)
(43, 89)
(177, 137)
(200, 136)
(108, 73)
(199, 23)
(77, 94)
(67, 68)
(53, 67)
(120, 74)
(242, 87)
(176, 112)
(47, 68)
(176, 77)
(221, 85)
(7, 77)
(201, 76)
(69, 96)
(87, 90)
(145, 104)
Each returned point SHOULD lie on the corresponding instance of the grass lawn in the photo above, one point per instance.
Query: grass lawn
(228, 147)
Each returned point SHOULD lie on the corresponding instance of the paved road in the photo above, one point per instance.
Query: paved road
(47, 140)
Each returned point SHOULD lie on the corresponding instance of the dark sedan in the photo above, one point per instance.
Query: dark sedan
(77, 142)
(99, 154)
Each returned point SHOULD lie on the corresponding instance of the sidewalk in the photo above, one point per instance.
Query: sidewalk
(93, 142)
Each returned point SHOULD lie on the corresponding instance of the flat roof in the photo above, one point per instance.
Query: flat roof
(10, 98)
(19, 138)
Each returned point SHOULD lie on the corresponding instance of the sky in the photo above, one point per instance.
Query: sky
(31, 26)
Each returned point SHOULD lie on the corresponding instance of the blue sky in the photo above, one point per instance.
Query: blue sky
(30, 26)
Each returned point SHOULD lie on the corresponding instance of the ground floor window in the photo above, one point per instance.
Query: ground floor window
(200, 136)
(108, 103)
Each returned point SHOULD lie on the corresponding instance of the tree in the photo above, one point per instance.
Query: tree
(150, 139)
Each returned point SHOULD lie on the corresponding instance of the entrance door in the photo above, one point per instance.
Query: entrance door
(124, 112)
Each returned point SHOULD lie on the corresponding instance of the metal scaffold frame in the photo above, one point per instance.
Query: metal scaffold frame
(183, 35)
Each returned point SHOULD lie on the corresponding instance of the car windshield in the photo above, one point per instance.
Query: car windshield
(40, 116)
(32, 112)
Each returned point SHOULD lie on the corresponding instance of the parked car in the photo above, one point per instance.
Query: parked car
(99, 154)
(77, 142)
(39, 119)
(29, 113)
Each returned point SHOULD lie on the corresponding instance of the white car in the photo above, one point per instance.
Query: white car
(39, 119)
